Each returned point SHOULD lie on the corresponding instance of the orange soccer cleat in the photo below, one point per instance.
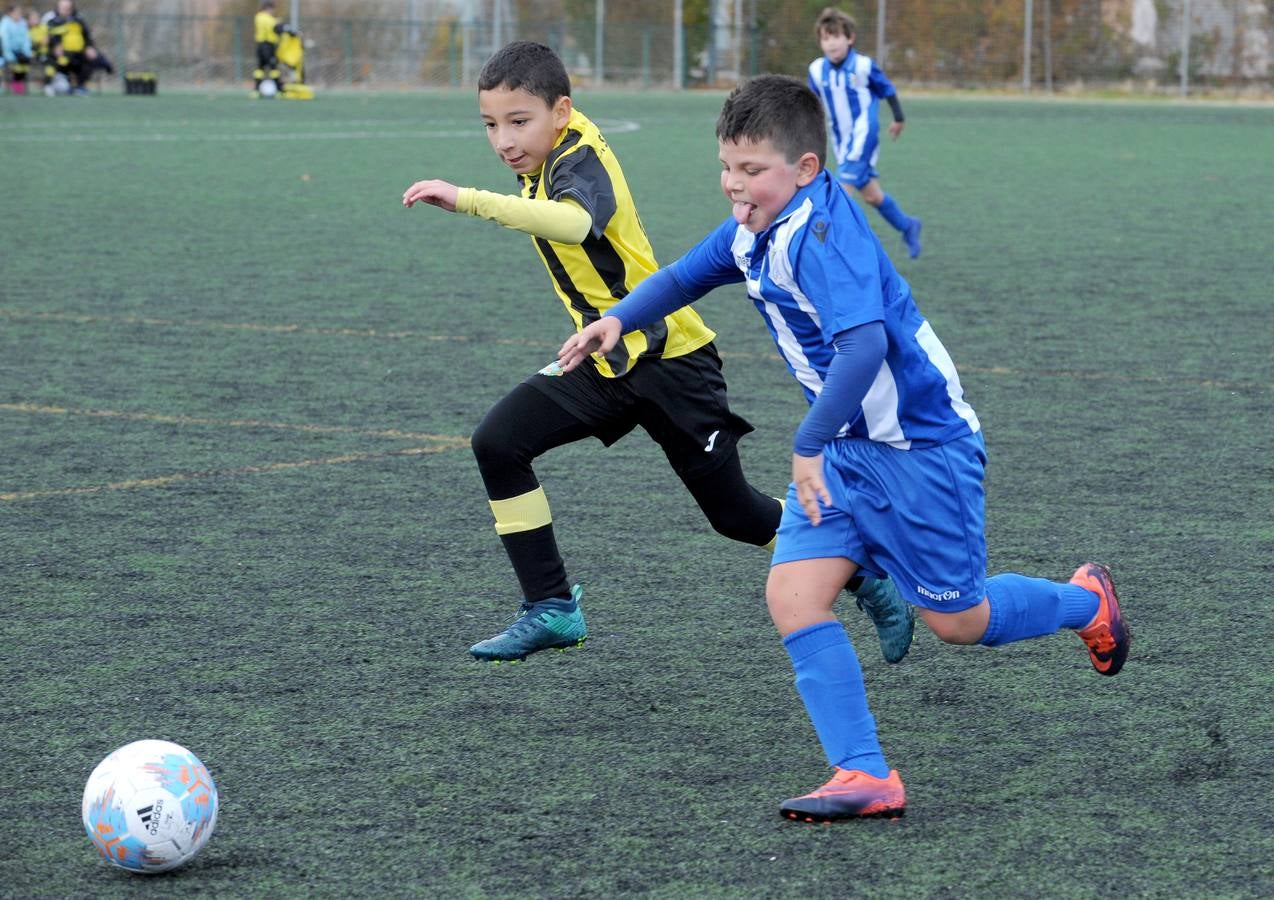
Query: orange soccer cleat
(1108, 636)
(851, 794)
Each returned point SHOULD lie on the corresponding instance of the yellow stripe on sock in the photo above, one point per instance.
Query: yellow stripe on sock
(525, 512)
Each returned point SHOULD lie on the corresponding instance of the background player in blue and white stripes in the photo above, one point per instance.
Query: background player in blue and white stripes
(851, 86)
(887, 465)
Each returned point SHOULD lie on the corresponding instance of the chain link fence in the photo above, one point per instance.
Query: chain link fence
(1217, 46)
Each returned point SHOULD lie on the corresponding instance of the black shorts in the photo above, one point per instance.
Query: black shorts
(680, 402)
(267, 55)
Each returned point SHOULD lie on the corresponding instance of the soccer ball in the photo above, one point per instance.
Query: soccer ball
(268, 88)
(149, 806)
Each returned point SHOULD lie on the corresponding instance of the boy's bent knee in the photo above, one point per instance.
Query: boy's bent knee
(739, 527)
(964, 627)
(490, 442)
(802, 593)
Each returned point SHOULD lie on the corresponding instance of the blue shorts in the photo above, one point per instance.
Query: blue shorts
(914, 515)
(856, 174)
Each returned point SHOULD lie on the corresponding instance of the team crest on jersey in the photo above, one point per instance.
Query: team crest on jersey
(820, 230)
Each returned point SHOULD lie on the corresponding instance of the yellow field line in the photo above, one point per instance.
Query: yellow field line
(81, 318)
(452, 441)
(162, 480)
(156, 322)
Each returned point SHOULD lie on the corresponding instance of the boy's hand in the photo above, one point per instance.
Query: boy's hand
(896, 129)
(599, 337)
(433, 192)
(807, 475)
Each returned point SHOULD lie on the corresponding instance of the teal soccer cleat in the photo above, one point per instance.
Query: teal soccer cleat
(555, 624)
(894, 618)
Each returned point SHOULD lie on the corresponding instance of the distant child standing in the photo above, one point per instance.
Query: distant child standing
(266, 29)
(15, 43)
(38, 30)
(666, 377)
(888, 462)
(851, 86)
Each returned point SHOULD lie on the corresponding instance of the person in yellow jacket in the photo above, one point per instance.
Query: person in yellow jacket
(39, 31)
(71, 47)
(267, 28)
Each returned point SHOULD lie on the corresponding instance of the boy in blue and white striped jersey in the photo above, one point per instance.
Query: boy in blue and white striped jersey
(887, 465)
(851, 86)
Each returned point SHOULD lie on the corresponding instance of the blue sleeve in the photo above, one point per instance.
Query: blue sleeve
(659, 295)
(878, 82)
(859, 353)
(710, 263)
(840, 274)
(707, 265)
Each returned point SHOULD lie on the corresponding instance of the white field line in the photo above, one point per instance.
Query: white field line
(139, 134)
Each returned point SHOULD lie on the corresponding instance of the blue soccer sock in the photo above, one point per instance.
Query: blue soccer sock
(830, 681)
(1024, 608)
(893, 214)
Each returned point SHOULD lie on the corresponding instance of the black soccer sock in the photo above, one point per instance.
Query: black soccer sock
(733, 507)
(519, 428)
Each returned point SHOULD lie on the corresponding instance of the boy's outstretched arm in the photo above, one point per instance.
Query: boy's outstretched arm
(599, 337)
(657, 296)
(563, 221)
(707, 265)
(434, 192)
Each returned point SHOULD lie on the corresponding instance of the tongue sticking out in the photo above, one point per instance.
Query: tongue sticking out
(742, 211)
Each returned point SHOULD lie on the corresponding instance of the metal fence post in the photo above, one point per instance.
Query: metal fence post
(599, 43)
(237, 50)
(1048, 45)
(349, 51)
(465, 70)
(880, 32)
(711, 77)
(1185, 48)
(452, 75)
(121, 48)
(1026, 51)
(645, 56)
(678, 46)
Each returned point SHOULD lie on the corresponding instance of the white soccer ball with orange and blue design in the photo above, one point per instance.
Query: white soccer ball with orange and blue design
(149, 806)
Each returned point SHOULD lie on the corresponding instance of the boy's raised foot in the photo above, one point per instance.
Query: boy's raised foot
(912, 237)
(554, 624)
(1108, 636)
(893, 616)
(850, 794)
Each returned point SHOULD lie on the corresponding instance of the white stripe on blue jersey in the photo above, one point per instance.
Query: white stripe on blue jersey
(819, 271)
(851, 93)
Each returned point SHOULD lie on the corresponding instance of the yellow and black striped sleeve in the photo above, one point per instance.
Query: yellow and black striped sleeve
(576, 173)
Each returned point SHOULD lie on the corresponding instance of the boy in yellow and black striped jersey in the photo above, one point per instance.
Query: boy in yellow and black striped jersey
(576, 205)
(266, 30)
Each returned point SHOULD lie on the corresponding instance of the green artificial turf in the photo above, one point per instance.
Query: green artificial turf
(238, 511)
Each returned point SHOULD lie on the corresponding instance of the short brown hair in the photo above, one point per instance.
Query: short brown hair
(533, 67)
(779, 109)
(834, 21)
